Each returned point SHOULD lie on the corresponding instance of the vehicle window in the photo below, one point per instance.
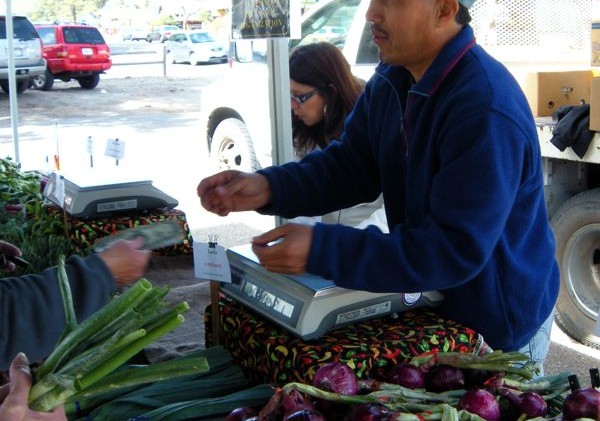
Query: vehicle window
(339, 14)
(83, 36)
(47, 35)
(368, 52)
(201, 37)
(23, 30)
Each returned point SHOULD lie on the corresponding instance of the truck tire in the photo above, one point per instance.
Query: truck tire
(231, 147)
(576, 227)
(22, 85)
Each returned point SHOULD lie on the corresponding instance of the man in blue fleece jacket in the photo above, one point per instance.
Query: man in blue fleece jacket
(32, 315)
(445, 132)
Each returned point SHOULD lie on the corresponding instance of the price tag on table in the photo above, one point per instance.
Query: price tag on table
(211, 263)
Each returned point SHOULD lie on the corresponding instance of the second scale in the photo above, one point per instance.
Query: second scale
(309, 305)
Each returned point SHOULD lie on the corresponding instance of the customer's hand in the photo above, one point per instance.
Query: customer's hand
(14, 395)
(234, 191)
(126, 261)
(11, 250)
(284, 249)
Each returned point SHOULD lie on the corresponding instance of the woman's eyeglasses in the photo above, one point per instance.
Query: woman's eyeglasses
(301, 99)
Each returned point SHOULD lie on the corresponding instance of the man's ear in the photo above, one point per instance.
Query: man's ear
(447, 9)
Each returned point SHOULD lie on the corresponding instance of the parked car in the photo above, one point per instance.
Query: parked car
(29, 61)
(196, 47)
(136, 35)
(72, 51)
(161, 33)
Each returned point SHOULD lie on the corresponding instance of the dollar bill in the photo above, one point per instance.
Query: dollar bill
(156, 235)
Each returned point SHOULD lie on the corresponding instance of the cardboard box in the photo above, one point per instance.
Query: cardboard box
(596, 43)
(595, 105)
(548, 91)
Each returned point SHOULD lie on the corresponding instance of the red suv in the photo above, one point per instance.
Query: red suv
(72, 51)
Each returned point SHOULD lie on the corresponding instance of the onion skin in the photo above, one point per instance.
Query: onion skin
(476, 377)
(407, 375)
(442, 378)
(480, 402)
(304, 415)
(336, 377)
(582, 403)
(295, 401)
(242, 414)
(530, 404)
(371, 412)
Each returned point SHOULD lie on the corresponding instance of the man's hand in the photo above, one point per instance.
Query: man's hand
(14, 395)
(234, 191)
(284, 249)
(10, 250)
(126, 261)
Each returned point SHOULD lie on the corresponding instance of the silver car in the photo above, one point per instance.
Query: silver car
(196, 47)
(27, 48)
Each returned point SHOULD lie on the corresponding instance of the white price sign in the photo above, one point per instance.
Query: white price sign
(115, 149)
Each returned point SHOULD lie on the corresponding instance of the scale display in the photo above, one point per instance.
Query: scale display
(308, 305)
(105, 200)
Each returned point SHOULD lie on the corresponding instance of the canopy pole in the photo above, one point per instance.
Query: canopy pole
(12, 82)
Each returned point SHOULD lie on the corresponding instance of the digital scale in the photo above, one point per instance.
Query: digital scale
(87, 202)
(308, 305)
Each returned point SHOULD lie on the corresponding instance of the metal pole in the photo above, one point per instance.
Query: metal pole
(12, 81)
(279, 103)
(279, 100)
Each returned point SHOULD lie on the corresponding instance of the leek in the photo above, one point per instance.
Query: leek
(105, 341)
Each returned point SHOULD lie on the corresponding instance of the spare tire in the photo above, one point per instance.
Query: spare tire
(576, 227)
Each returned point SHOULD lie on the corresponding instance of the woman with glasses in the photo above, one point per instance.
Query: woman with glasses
(323, 91)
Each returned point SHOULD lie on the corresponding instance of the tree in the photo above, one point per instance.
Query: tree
(65, 10)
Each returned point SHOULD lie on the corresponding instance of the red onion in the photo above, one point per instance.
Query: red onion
(480, 402)
(582, 403)
(444, 377)
(530, 404)
(366, 386)
(336, 377)
(407, 375)
(241, 414)
(371, 412)
(294, 401)
(476, 377)
(305, 415)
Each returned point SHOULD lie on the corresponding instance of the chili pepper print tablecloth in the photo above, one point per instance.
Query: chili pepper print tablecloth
(269, 354)
(84, 233)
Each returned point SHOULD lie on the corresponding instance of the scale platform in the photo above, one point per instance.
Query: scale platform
(100, 201)
(308, 305)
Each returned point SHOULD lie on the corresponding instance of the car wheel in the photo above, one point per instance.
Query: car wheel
(576, 227)
(22, 85)
(89, 82)
(193, 60)
(43, 82)
(231, 147)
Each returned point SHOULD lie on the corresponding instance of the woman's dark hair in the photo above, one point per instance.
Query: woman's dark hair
(323, 66)
(463, 16)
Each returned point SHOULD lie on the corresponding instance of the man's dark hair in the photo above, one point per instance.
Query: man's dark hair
(463, 16)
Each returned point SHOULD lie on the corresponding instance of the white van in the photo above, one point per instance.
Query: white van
(238, 130)
(27, 49)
